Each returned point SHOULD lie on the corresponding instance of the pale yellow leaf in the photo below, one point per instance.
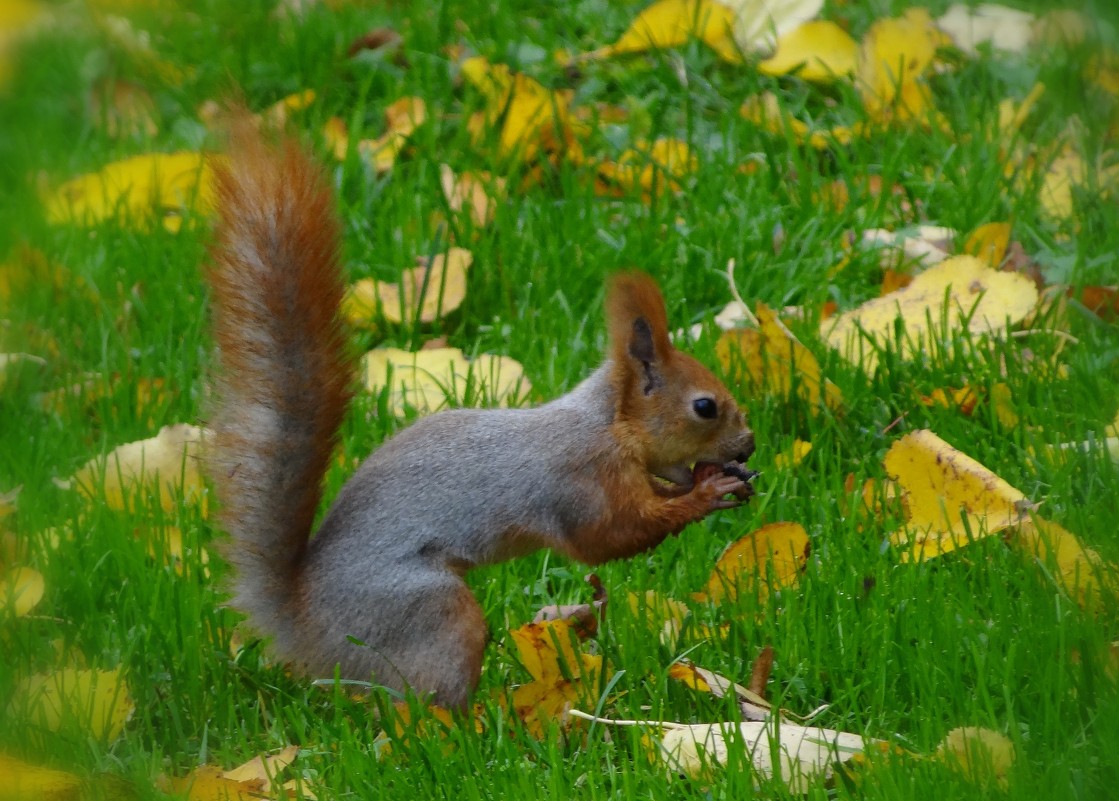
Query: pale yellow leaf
(477, 192)
(979, 754)
(425, 293)
(96, 701)
(206, 783)
(664, 613)
(988, 243)
(762, 563)
(23, 781)
(1079, 571)
(263, 769)
(799, 755)
(958, 294)
(20, 591)
(1064, 27)
(168, 463)
(818, 50)
(141, 191)
(759, 24)
(774, 361)
(890, 69)
(649, 167)
(950, 498)
(425, 381)
(1003, 28)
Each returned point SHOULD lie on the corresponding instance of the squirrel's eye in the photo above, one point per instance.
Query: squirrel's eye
(705, 408)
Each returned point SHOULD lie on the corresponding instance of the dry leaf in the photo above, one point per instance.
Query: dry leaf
(958, 292)
(671, 23)
(980, 754)
(425, 381)
(562, 676)
(168, 463)
(20, 591)
(97, 701)
(426, 293)
(1003, 28)
(402, 118)
(751, 705)
(762, 563)
(950, 499)
(664, 614)
(816, 51)
(123, 109)
(890, 70)
(759, 24)
(651, 168)
(765, 110)
(23, 781)
(793, 455)
(803, 753)
(143, 190)
(1080, 571)
(988, 243)
(276, 116)
(772, 360)
(478, 192)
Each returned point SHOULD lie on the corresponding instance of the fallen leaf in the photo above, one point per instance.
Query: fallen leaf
(751, 705)
(648, 167)
(890, 70)
(950, 499)
(583, 617)
(765, 110)
(772, 360)
(263, 769)
(18, 19)
(798, 755)
(477, 192)
(661, 613)
(1003, 28)
(167, 463)
(123, 109)
(762, 563)
(962, 400)
(140, 191)
(1080, 571)
(276, 116)
(960, 293)
(562, 676)
(1063, 27)
(402, 118)
(988, 243)
(979, 754)
(20, 591)
(818, 50)
(97, 701)
(672, 23)
(760, 24)
(207, 783)
(427, 380)
(793, 455)
(373, 40)
(425, 293)
(24, 781)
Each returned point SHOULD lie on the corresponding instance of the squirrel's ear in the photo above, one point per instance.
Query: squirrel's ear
(637, 321)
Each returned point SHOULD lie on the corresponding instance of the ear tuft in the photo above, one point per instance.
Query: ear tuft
(636, 319)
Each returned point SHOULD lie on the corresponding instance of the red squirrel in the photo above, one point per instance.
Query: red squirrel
(603, 472)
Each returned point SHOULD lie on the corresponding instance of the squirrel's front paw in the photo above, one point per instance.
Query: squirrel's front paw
(715, 487)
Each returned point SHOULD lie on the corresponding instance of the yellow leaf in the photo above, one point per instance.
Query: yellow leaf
(1080, 571)
(425, 381)
(402, 118)
(671, 23)
(337, 137)
(478, 192)
(166, 546)
(818, 50)
(662, 612)
(793, 456)
(1003, 400)
(958, 293)
(143, 190)
(17, 19)
(1013, 114)
(763, 562)
(263, 769)
(276, 115)
(529, 116)
(97, 701)
(891, 65)
(772, 360)
(979, 754)
(765, 111)
(21, 590)
(426, 293)
(26, 782)
(649, 167)
(207, 783)
(950, 498)
(167, 463)
(123, 109)
(988, 243)
(687, 674)
(547, 650)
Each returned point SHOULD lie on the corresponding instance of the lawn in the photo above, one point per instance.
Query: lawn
(675, 160)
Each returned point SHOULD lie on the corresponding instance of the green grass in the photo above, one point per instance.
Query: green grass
(982, 638)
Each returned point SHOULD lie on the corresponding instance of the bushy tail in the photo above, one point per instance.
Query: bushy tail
(285, 380)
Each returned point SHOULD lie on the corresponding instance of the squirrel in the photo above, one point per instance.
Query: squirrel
(603, 472)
